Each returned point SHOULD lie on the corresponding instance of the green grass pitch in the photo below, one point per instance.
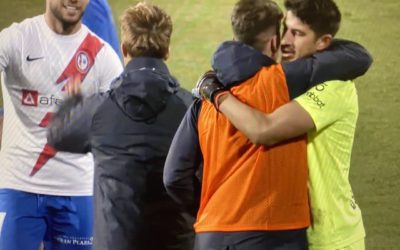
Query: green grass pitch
(200, 25)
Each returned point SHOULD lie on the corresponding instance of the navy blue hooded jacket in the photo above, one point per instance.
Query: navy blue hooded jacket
(129, 131)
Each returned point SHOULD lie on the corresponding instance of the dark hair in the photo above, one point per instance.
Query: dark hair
(323, 16)
(251, 17)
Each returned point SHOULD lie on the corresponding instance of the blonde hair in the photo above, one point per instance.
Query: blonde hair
(146, 30)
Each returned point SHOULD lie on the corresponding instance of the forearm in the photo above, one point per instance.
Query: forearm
(61, 132)
(188, 197)
(251, 122)
(286, 122)
(70, 127)
(183, 160)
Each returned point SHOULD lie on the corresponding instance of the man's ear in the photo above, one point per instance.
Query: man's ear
(274, 48)
(274, 44)
(324, 41)
(125, 54)
(166, 56)
(124, 50)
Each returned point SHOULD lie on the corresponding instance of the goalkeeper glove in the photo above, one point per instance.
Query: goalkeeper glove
(209, 88)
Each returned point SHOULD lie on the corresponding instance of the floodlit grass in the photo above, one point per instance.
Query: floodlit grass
(199, 26)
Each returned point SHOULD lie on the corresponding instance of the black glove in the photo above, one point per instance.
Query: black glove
(208, 87)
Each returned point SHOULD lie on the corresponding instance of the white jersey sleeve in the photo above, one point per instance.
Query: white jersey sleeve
(8, 37)
(108, 68)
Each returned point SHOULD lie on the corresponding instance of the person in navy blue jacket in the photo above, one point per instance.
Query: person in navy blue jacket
(129, 131)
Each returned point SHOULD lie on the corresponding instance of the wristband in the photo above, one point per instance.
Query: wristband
(217, 97)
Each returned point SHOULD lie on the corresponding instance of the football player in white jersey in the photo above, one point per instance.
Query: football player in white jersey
(46, 195)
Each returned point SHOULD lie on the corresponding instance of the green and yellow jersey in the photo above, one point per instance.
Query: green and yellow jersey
(336, 218)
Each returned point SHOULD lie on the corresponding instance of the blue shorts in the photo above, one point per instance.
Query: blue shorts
(60, 222)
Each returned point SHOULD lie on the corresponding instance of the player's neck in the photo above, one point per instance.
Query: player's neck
(61, 28)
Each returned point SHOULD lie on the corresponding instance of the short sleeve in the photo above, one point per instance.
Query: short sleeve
(326, 103)
(8, 37)
(109, 68)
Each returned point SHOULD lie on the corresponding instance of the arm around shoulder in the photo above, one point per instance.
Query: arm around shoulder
(342, 60)
(345, 59)
(286, 122)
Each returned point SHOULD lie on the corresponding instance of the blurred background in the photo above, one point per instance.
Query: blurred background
(200, 25)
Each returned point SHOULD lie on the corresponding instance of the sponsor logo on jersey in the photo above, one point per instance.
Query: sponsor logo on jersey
(32, 98)
(82, 62)
(74, 241)
(316, 99)
(314, 96)
(321, 87)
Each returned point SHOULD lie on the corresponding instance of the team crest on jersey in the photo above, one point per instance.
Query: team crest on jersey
(30, 97)
(82, 62)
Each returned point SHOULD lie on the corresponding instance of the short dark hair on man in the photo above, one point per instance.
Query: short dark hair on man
(251, 17)
(323, 16)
